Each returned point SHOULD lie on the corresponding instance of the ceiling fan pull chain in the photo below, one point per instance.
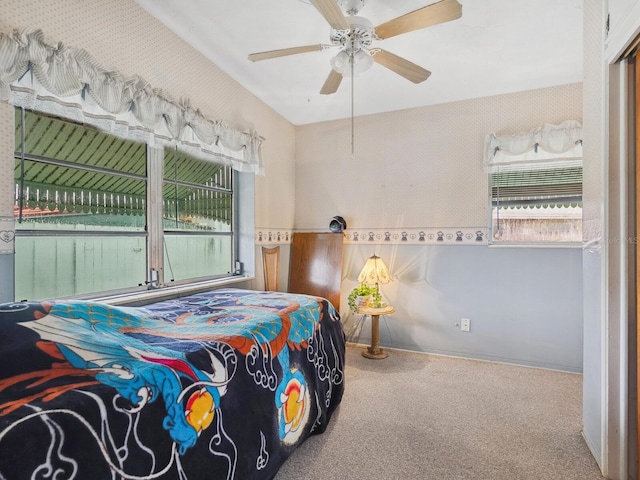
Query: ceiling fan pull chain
(353, 154)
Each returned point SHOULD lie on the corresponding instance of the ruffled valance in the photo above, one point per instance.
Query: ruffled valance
(67, 82)
(543, 144)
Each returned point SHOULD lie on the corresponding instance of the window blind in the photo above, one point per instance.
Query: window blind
(537, 187)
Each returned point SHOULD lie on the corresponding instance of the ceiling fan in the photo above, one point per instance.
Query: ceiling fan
(355, 35)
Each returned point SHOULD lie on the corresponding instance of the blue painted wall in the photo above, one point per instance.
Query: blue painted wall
(525, 304)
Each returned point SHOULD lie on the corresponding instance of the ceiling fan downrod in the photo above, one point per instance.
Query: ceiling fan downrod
(352, 7)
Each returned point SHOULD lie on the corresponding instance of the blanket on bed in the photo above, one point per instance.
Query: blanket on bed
(220, 385)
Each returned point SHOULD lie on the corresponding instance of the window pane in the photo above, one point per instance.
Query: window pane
(64, 198)
(197, 194)
(191, 256)
(183, 168)
(537, 224)
(59, 139)
(54, 266)
(75, 181)
(537, 186)
(537, 203)
(197, 209)
(198, 203)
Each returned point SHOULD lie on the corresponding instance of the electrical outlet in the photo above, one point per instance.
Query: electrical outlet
(465, 324)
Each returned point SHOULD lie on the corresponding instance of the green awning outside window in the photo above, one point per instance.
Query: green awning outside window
(537, 187)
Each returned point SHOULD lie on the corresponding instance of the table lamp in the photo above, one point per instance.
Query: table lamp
(374, 272)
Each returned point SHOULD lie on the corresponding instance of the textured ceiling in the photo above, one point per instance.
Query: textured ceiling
(497, 46)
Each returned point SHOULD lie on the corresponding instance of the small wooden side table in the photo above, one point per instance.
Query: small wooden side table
(374, 351)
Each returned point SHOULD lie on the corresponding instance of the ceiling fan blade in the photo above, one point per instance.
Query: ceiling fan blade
(332, 83)
(254, 57)
(439, 12)
(332, 13)
(402, 67)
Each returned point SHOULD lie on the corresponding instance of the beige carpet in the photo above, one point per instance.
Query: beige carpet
(417, 416)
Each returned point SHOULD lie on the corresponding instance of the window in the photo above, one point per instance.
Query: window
(198, 216)
(82, 212)
(537, 205)
(535, 186)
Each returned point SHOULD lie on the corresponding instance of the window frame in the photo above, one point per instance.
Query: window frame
(231, 234)
(154, 236)
(493, 242)
(526, 162)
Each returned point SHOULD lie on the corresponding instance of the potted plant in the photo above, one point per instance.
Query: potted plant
(364, 296)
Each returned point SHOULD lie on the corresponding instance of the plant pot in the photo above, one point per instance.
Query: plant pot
(363, 301)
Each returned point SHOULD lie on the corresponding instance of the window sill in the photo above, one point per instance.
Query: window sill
(169, 292)
(536, 245)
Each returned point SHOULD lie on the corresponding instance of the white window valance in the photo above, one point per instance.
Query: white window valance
(534, 149)
(67, 82)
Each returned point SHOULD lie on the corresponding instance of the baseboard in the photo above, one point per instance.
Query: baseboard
(479, 358)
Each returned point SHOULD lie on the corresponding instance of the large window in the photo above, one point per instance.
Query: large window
(82, 211)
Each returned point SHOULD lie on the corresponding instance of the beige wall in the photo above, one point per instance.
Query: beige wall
(415, 168)
(121, 36)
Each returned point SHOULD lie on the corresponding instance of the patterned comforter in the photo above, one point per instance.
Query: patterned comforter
(219, 385)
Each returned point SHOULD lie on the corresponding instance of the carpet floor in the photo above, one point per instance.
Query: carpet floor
(418, 416)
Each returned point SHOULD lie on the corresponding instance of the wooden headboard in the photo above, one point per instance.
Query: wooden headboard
(315, 267)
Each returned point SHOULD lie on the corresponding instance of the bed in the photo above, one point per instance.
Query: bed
(221, 385)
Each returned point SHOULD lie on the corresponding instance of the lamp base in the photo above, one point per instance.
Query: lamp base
(375, 353)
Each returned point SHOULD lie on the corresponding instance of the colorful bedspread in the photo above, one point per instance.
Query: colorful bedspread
(217, 385)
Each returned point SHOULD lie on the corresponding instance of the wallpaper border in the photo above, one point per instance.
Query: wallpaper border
(397, 236)
(7, 235)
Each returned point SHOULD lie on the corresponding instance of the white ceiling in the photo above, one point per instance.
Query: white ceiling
(497, 46)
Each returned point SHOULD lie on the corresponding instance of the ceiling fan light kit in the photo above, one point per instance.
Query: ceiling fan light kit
(354, 56)
(355, 35)
(342, 63)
